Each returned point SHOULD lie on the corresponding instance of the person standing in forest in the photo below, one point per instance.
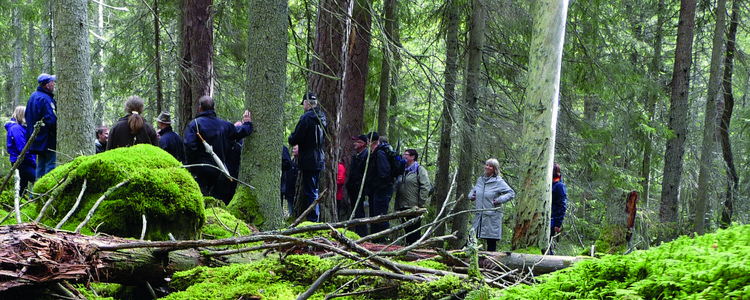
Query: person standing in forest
(102, 135)
(42, 106)
(132, 129)
(169, 140)
(221, 136)
(309, 135)
(559, 203)
(354, 181)
(490, 193)
(16, 141)
(378, 183)
(412, 190)
(340, 181)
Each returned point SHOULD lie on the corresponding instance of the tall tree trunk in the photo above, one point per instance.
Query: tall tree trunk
(265, 93)
(726, 116)
(157, 57)
(653, 98)
(395, 75)
(47, 41)
(707, 152)
(75, 104)
(97, 77)
(328, 73)
(196, 78)
(678, 109)
(473, 92)
(442, 175)
(539, 126)
(33, 66)
(17, 57)
(385, 74)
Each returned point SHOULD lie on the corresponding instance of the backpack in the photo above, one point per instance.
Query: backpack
(397, 162)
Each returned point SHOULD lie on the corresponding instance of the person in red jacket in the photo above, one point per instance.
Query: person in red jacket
(340, 180)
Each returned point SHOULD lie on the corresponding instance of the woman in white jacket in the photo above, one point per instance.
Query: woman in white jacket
(490, 192)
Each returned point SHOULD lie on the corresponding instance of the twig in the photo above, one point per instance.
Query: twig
(61, 185)
(364, 252)
(17, 197)
(215, 167)
(96, 205)
(318, 282)
(372, 291)
(249, 249)
(384, 274)
(308, 210)
(389, 231)
(75, 206)
(143, 229)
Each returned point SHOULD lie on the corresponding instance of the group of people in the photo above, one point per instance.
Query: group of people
(204, 132)
(213, 145)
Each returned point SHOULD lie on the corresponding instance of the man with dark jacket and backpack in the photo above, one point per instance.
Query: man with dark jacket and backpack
(42, 106)
(309, 135)
(378, 183)
(221, 136)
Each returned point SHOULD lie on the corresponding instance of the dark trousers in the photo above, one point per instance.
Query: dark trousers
(378, 202)
(491, 244)
(27, 172)
(416, 233)
(45, 162)
(310, 181)
(207, 178)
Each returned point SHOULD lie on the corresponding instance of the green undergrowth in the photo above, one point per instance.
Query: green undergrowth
(712, 266)
(288, 277)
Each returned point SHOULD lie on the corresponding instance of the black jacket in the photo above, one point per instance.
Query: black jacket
(171, 142)
(220, 134)
(310, 136)
(120, 136)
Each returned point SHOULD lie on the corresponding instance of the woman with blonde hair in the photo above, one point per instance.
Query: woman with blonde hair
(16, 141)
(489, 194)
(132, 129)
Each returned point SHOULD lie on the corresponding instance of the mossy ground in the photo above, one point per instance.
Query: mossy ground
(713, 266)
(158, 188)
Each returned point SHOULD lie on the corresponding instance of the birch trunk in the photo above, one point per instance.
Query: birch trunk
(540, 121)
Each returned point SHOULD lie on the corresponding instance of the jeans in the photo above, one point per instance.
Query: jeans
(310, 181)
(45, 162)
(379, 201)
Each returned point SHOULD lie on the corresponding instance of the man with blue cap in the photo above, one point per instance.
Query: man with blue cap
(42, 106)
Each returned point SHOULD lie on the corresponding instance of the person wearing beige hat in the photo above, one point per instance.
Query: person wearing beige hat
(169, 140)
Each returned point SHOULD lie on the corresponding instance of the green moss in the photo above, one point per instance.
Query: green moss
(213, 228)
(713, 266)
(323, 233)
(611, 240)
(158, 188)
(247, 209)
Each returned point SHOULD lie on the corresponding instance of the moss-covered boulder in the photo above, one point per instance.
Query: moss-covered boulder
(157, 187)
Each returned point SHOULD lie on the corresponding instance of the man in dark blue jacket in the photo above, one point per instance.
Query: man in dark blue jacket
(378, 183)
(42, 106)
(309, 135)
(220, 136)
(559, 202)
(169, 140)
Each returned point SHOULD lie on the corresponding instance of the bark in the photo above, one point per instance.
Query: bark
(97, 78)
(733, 180)
(653, 99)
(196, 78)
(675, 148)
(47, 40)
(265, 93)
(442, 175)
(472, 94)
(709, 131)
(75, 104)
(157, 58)
(393, 98)
(328, 73)
(17, 57)
(385, 69)
(539, 126)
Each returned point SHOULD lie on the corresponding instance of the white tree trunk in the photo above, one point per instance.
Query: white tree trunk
(539, 125)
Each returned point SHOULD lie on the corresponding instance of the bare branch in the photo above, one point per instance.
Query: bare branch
(75, 206)
(99, 201)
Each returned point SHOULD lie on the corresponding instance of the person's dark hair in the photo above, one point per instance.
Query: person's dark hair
(556, 173)
(413, 152)
(100, 130)
(134, 107)
(206, 103)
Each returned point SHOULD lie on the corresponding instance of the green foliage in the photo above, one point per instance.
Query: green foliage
(158, 188)
(713, 266)
(216, 219)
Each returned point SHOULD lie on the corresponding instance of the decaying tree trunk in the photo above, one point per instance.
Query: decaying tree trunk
(32, 254)
(618, 226)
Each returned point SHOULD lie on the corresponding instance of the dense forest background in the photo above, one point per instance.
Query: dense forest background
(614, 103)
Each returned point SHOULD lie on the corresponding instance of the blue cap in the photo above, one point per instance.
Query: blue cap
(44, 78)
